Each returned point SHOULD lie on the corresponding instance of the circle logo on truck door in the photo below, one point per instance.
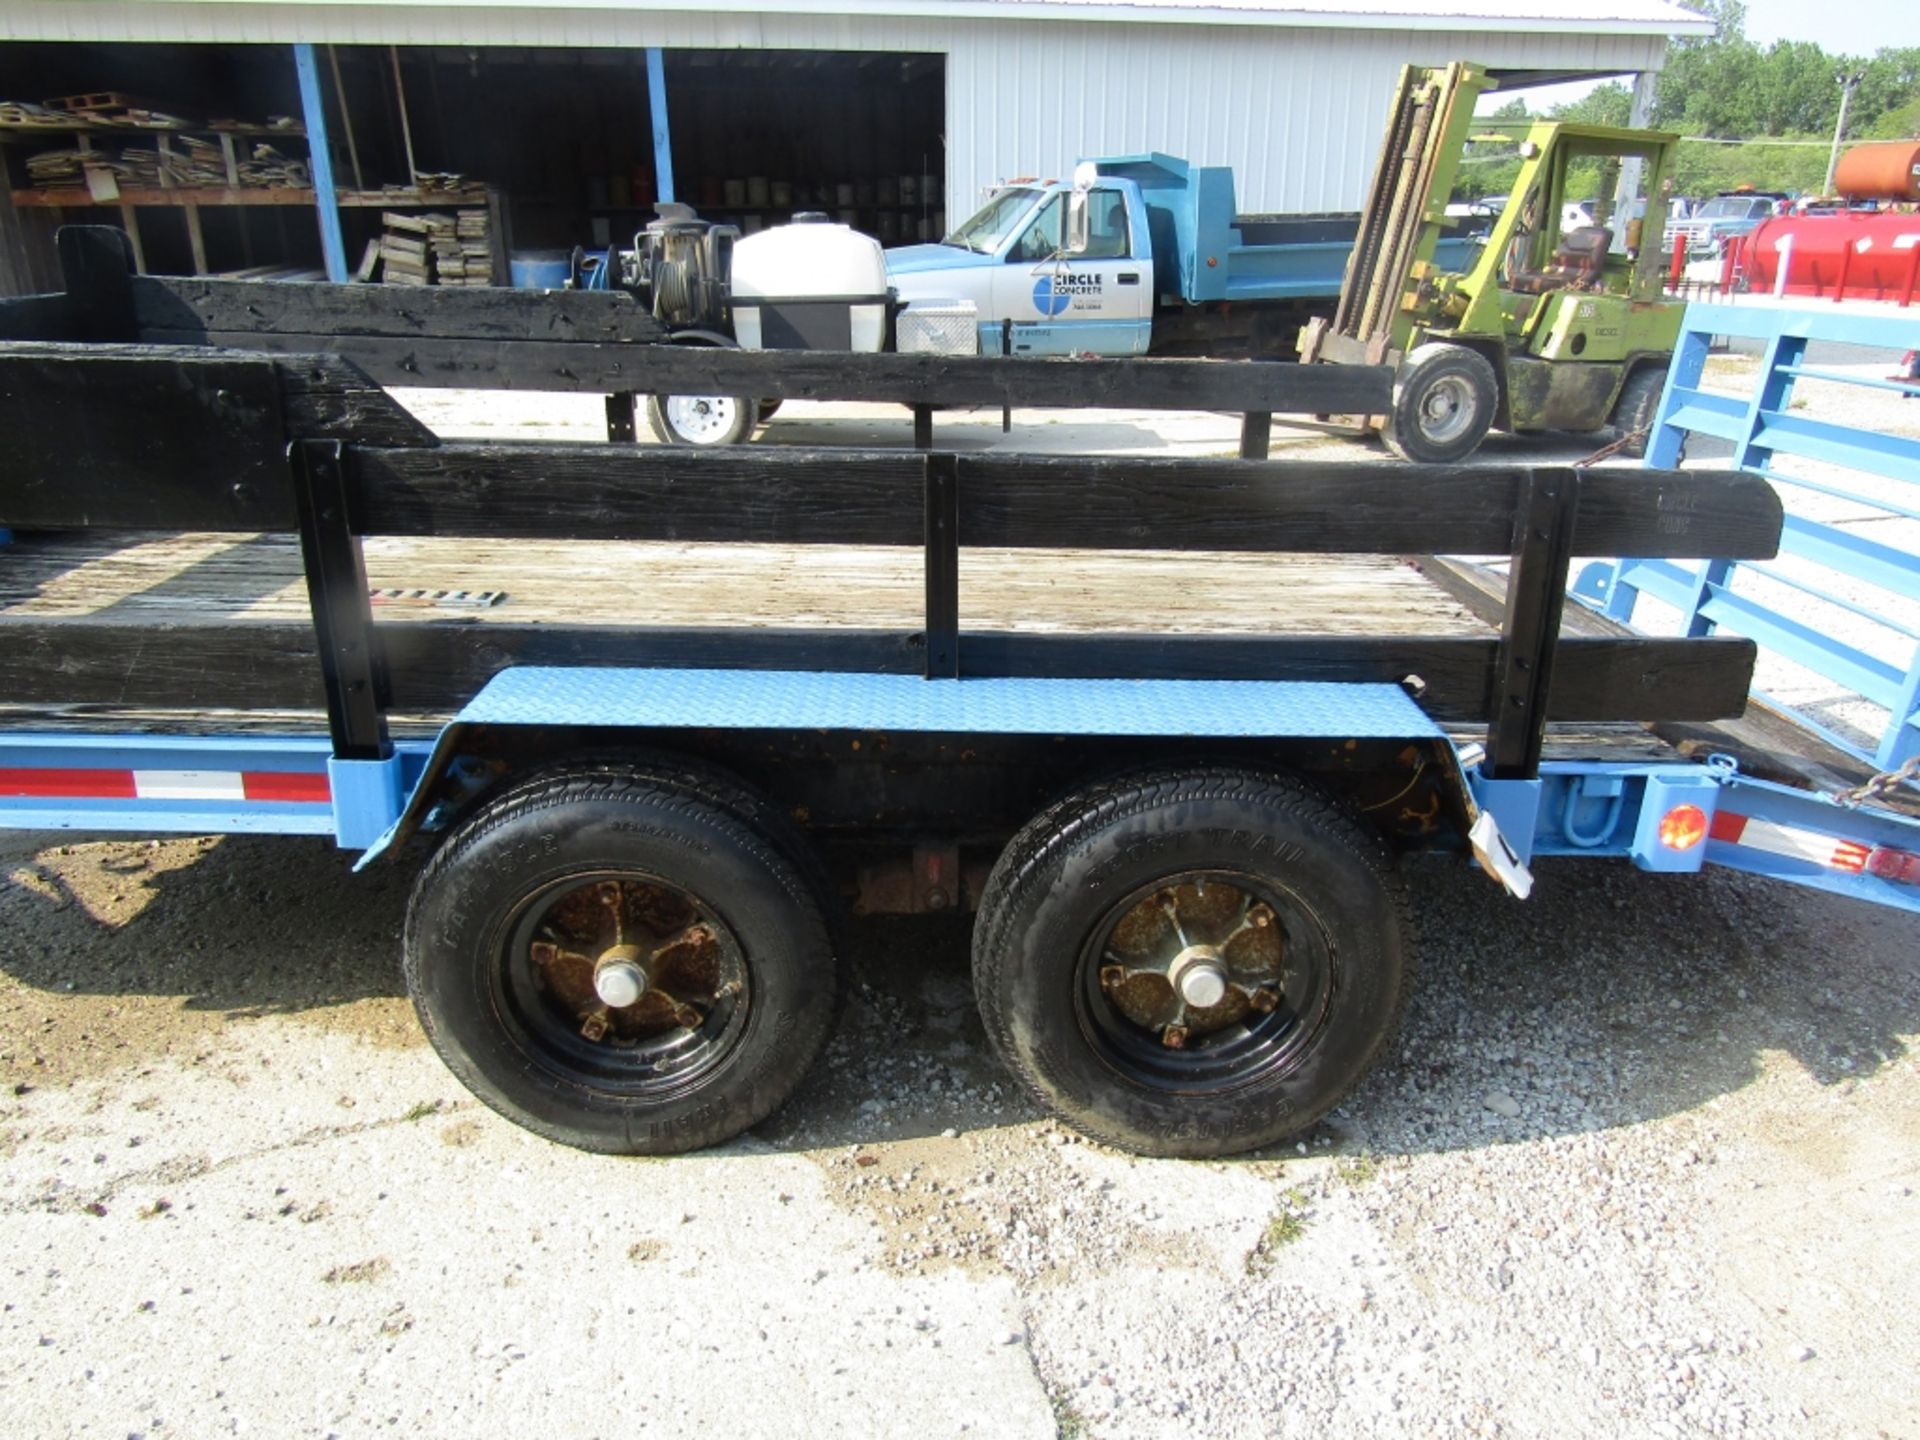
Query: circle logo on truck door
(1048, 301)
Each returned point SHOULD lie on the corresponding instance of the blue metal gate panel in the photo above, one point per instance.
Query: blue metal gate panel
(1839, 567)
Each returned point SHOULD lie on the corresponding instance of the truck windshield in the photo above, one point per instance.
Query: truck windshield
(993, 222)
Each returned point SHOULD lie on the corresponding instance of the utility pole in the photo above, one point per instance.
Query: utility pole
(1848, 83)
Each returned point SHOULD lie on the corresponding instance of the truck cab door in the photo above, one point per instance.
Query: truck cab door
(1098, 302)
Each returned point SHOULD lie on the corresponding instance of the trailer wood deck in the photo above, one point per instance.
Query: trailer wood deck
(224, 583)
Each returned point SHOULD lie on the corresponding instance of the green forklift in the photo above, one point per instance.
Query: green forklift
(1559, 324)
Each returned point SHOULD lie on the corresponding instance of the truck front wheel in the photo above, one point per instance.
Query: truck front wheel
(1192, 962)
(1444, 397)
(702, 419)
(624, 962)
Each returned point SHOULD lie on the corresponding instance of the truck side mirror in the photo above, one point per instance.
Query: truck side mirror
(1075, 241)
(1079, 222)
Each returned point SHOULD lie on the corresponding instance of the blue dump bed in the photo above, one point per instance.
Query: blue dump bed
(1204, 251)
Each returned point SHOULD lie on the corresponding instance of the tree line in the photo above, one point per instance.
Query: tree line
(1725, 87)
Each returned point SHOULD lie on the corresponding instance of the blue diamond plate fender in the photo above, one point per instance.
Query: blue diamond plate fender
(565, 698)
(811, 700)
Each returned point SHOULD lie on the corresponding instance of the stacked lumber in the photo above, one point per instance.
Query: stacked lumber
(432, 248)
(404, 255)
(58, 169)
(21, 115)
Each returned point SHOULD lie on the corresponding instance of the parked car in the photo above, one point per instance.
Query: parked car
(1724, 216)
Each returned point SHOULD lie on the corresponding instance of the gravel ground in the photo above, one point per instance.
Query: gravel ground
(1645, 1161)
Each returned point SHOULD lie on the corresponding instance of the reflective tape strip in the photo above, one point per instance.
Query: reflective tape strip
(64, 783)
(1809, 845)
(68, 784)
(188, 785)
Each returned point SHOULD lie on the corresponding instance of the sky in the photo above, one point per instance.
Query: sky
(1850, 27)
(1854, 27)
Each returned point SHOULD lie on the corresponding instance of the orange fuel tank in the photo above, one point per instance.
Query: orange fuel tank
(1861, 255)
(1889, 170)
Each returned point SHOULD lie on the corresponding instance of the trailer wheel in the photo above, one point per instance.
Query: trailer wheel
(622, 962)
(1192, 962)
(1443, 402)
(701, 419)
(1639, 402)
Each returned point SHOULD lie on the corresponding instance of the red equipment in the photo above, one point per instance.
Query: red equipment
(1850, 256)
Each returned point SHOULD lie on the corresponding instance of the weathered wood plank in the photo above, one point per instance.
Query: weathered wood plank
(437, 666)
(966, 380)
(1335, 507)
(558, 491)
(261, 308)
(329, 398)
(130, 437)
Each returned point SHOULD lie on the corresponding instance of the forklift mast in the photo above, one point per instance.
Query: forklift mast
(1393, 293)
(1427, 129)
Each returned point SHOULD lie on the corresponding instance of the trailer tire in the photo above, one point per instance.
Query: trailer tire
(1639, 402)
(702, 420)
(1078, 897)
(517, 917)
(1444, 398)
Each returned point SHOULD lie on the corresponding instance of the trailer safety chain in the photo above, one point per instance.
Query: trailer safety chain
(1882, 784)
(1607, 452)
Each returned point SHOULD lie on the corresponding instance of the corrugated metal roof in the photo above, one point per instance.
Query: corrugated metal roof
(1595, 17)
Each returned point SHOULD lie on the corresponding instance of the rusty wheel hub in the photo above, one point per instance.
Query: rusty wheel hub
(632, 961)
(1193, 958)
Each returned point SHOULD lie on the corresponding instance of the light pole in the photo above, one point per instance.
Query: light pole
(1848, 84)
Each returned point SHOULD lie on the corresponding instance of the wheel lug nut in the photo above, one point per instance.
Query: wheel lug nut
(687, 1017)
(594, 1027)
(1263, 1000)
(1112, 976)
(1174, 1037)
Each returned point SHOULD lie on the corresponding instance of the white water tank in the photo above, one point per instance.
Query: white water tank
(811, 285)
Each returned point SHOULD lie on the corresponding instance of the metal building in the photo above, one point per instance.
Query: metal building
(1291, 93)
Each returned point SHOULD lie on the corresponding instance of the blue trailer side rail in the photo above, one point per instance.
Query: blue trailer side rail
(1849, 559)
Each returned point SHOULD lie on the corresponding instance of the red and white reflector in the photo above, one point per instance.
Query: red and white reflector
(235, 786)
(1900, 866)
(1789, 840)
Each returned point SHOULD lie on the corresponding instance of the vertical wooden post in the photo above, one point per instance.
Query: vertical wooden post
(942, 534)
(620, 424)
(346, 118)
(337, 592)
(1256, 433)
(1530, 631)
(406, 127)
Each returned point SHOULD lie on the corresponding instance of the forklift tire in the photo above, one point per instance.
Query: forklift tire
(1444, 397)
(631, 962)
(1639, 402)
(703, 420)
(1192, 961)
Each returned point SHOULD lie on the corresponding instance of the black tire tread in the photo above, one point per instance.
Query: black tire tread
(1638, 402)
(1147, 789)
(702, 794)
(1436, 352)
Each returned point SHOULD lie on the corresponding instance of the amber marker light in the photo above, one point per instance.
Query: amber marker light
(1683, 827)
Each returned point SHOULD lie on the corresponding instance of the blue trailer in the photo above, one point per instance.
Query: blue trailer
(633, 839)
(1135, 255)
